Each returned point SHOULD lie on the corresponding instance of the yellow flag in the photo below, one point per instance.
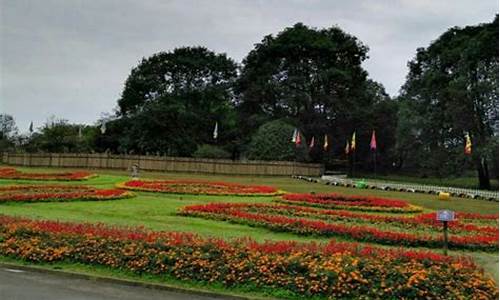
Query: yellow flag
(468, 145)
(353, 141)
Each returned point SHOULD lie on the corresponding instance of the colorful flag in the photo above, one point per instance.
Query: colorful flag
(103, 127)
(216, 130)
(468, 145)
(311, 144)
(347, 147)
(298, 140)
(325, 144)
(31, 127)
(353, 141)
(373, 142)
(294, 136)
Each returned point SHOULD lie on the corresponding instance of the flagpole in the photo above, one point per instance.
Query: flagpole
(375, 163)
(353, 162)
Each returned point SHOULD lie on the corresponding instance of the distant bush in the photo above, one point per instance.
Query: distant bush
(272, 141)
(211, 151)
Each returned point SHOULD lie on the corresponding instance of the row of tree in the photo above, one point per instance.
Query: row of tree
(310, 79)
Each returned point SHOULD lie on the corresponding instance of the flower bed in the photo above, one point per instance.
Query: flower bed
(60, 192)
(420, 230)
(199, 187)
(11, 173)
(339, 270)
(359, 203)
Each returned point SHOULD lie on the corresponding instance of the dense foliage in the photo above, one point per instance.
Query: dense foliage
(451, 90)
(313, 77)
(172, 100)
(272, 141)
(211, 151)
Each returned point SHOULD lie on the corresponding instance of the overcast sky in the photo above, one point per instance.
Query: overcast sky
(70, 58)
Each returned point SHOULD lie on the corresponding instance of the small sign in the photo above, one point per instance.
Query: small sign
(445, 215)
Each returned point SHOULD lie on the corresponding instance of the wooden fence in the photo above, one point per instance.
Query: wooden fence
(162, 164)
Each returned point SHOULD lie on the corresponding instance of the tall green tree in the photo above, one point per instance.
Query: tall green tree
(314, 78)
(172, 100)
(452, 89)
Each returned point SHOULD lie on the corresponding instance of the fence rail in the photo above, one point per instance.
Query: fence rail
(162, 163)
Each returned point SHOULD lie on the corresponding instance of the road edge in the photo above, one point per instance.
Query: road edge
(128, 282)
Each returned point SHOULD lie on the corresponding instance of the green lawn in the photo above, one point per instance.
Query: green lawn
(158, 211)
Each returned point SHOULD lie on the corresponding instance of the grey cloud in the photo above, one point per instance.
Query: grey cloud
(70, 58)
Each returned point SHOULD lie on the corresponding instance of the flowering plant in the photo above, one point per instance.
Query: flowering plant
(340, 270)
(419, 230)
(59, 192)
(199, 187)
(360, 203)
(11, 173)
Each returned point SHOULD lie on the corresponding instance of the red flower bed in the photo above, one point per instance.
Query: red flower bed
(340, 270)
(410, 231)
(360, 203)
(45, 193)
(11, 173)
(199, 187)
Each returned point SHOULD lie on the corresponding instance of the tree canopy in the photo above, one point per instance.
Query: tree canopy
(451, 90)
(314, 78)
(172, 100)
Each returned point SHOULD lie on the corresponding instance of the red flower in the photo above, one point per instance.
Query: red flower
(199, 187)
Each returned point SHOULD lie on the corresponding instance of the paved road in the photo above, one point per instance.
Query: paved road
(26, 285)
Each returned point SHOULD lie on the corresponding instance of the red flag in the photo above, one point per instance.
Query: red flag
(468, 145)
(373, 142)
(298, 140)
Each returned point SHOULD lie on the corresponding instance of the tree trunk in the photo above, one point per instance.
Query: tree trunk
(483, 174)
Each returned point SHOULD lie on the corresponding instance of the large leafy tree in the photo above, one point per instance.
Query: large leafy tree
(172, 100)
(312, 77)
(452, 89)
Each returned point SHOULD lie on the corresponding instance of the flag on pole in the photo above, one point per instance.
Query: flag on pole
(468, 145)
(31, 127)
(311, 144)
(347, 147)
(216, 130)
(353, 141)
(373, 142)
(325, 144)
(103, 127)
(294, 136)
(298, 140)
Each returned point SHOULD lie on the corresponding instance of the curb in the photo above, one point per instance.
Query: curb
(132, 283)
